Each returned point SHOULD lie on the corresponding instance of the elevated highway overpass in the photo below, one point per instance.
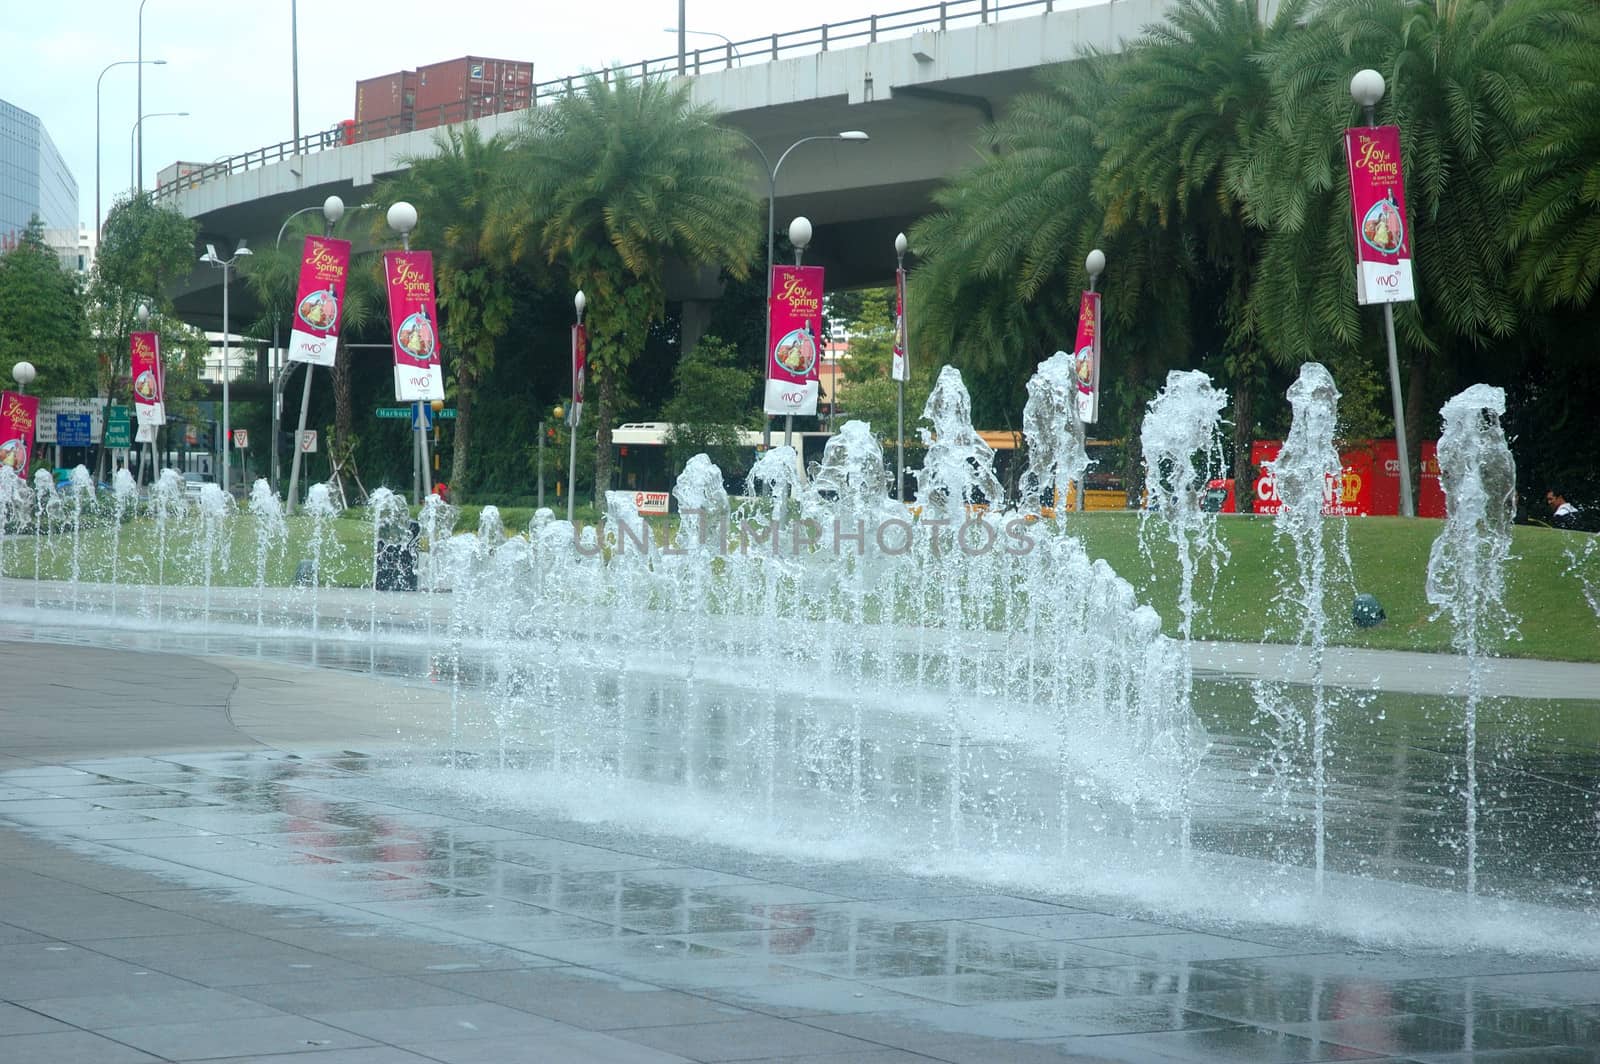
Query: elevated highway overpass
(921, 83)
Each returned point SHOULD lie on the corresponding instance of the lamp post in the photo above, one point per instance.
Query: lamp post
(800, 237)
(853, 135)
(575, 411)
(332, 211)
(734, 55)
(227, 266)
(142, 315)
(138, 153)
(1094, 264)
(97, 81)
(136, 180)
(402, 218)
(903, 332)
(1367, 88)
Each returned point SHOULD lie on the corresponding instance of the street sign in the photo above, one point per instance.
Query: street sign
(308, 441)
(422, 413)
(241, 439)
(50, 407)
(119, 426)
(73, 430)
(146, 434)
(403, 413)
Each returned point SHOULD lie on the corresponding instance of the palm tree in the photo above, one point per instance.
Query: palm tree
(1461, 75)
(616, 183)
(455, 191)
(1180, 133)
(1555, 176)
(1000, 262)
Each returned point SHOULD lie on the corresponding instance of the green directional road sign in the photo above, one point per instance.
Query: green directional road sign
(403, 413)
(119, 427)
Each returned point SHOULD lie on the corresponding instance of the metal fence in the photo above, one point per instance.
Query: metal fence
(788, 45)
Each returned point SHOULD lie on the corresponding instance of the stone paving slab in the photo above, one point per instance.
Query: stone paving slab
(215, 875)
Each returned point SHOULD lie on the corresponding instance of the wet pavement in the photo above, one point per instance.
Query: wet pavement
(207, 858)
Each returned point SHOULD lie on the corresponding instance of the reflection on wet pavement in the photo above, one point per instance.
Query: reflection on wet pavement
(336, 858)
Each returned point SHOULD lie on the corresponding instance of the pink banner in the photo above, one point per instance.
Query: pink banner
(413, 321)
(794, 320)
(900, 367)
(19, 415)
(319, 301)
(149, 386)
(580, 369)
(1086, 358)
(1378, 203)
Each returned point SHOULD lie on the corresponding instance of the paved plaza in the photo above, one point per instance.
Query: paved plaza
(198, 861)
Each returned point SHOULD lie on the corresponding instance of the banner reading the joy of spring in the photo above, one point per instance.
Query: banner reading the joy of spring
(794, 322)
(900, 365)
(413, 319)
(19, 414)
(144, 365)
(324, 267)
(1378, 201)
(580, 369)
(1086, 358)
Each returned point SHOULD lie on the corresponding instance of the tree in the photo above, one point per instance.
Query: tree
(456, 191)
(1180, 136)
(999, 265)
(710, 405)
(42, 317)
(616, 183)
(1460, 78)
(144, 250)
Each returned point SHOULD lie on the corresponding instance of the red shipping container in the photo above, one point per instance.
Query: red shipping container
(470, 87)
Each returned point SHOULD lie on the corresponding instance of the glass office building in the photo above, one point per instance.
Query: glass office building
(34, 179)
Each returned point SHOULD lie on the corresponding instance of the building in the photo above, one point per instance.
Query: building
(34, 180)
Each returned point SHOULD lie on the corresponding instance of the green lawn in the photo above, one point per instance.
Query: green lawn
(1389, 558)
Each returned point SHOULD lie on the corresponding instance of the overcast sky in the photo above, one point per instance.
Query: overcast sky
(228, 64)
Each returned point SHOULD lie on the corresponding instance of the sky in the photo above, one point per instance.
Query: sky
(229, 64)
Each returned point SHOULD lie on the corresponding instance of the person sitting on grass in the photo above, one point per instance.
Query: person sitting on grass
(1562, 513)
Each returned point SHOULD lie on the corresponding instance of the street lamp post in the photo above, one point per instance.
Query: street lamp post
(1367, 88)
(853, 135)
(227, 266)
(97, 81)
(23, 373)
(402, 218)
(136, 181)
(139, 151)
(575, 411)
(1094, 265)
(735, 57)
(142, 315)
(800, 237)
(332, 211)
(900, 246)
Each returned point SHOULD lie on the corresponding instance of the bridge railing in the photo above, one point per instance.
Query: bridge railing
(868, 29)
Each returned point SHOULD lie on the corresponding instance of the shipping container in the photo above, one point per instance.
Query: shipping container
(175, 173)
(470, 87)
(384, 104)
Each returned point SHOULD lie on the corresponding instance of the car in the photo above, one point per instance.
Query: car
(193, 483)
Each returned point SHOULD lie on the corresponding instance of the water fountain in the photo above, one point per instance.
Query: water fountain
(1466, 569)
(819, 671)
(125, 496)
(272, 533)
(1306, 474)
(46, 504)
(80, 489)
(1182, 442)
(16, 506)
(168, 507)
(1057, 460)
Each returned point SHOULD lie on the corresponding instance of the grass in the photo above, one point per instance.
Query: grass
(1389, 559)
(1245, 604)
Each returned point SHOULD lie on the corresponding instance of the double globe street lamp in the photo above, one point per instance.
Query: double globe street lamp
(227, 266)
